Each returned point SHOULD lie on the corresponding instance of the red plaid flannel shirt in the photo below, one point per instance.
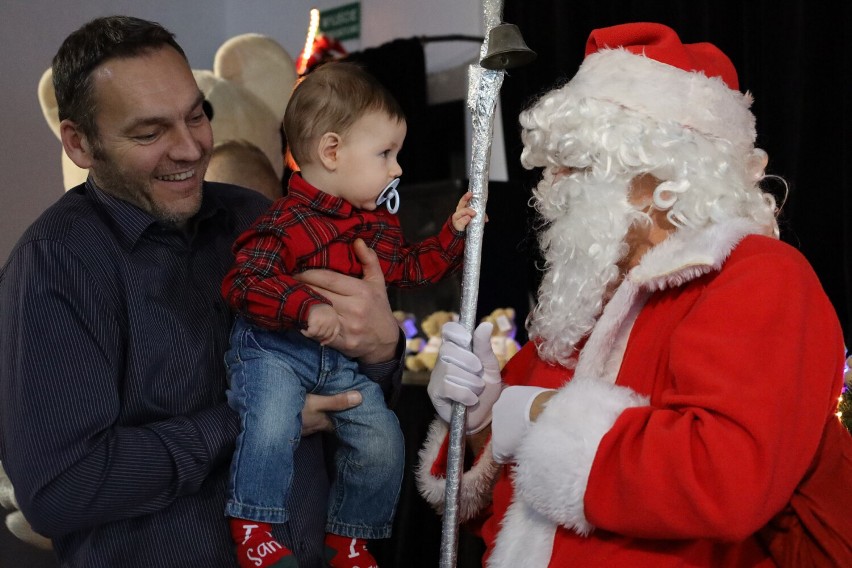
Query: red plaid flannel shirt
(310, 229)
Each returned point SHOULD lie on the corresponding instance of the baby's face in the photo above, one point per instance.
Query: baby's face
(367, 158)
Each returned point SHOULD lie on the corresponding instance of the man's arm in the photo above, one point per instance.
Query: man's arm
(69, 443)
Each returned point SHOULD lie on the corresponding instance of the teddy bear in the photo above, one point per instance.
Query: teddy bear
(503, 335)
(425, 359)
(15, 521)
(408, 324)
(247, 90)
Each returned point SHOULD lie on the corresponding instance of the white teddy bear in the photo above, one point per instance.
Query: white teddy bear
(15, 520)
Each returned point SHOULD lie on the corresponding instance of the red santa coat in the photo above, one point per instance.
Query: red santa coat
(697, 429)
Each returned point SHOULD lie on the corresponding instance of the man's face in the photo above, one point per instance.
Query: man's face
(154, 140)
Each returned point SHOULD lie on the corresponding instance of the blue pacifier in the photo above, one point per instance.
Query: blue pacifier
(390, 195)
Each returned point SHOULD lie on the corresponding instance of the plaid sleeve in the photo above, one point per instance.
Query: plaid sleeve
(259, 286)
(425, 262)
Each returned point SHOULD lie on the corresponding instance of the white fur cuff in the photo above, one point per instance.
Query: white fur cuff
(476, 484)
(555, 459)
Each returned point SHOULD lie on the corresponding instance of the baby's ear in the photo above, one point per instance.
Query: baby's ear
(327, 149)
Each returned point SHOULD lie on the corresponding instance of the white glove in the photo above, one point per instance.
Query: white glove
(511, 421)
(471, 378)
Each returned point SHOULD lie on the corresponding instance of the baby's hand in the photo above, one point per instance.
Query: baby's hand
(323, 324)
(464, 213)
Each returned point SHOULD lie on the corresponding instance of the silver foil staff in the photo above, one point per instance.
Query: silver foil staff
(503, 48)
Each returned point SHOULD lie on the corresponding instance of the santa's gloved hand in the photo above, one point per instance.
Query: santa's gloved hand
(471, 378)
(511, 421)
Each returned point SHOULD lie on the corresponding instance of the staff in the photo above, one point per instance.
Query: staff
(502, 49)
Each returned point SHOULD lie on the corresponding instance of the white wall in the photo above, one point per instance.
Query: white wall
(382, 21)
(32, 30)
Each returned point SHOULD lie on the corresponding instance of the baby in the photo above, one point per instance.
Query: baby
(344, 132)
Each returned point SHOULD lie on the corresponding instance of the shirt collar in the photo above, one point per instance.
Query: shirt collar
(131, 222)
(301, 190)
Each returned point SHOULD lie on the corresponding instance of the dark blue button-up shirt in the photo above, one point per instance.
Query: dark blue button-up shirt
(113, 423)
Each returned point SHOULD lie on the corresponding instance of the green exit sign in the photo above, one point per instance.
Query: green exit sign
(342, 23)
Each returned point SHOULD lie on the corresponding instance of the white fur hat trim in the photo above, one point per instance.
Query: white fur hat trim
(666, 93)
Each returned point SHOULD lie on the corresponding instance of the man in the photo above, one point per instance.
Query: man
(676, 403)
(115, 430)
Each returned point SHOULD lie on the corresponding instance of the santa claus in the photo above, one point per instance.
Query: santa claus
(676, 403)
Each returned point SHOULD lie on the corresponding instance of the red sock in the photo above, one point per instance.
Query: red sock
(349, 552)
(257, 548)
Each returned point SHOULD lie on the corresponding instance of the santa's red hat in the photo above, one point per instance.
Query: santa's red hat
(645, 67)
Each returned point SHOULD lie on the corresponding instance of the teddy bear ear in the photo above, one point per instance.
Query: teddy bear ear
(47, 101)
(259, 64)
(205, 80)
(71, 174)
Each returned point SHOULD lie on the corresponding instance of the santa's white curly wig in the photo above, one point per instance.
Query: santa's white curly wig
(624, 115)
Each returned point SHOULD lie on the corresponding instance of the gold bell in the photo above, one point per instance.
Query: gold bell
(506, 48)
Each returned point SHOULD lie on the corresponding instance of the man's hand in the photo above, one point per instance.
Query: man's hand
(369, 331)
(315, 412)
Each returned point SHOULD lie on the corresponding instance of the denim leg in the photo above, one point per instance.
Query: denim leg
(267, 393)
(369, 461)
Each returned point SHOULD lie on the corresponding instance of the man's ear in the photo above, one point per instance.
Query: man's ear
(76, 145)
(327, 149)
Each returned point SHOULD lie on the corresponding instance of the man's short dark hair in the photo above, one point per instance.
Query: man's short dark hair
(88, 47)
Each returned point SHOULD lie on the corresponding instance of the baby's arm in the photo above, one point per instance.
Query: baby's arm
(464, 213)
(323, 324)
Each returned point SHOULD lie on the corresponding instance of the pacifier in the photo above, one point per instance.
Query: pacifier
(391, 195)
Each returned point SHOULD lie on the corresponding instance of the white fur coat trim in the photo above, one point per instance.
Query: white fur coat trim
(554, 462)
(601, 356)
(666, 93)
(684, 256)
(690, 253)
(476, 484)
(556, 456)
(531, 540)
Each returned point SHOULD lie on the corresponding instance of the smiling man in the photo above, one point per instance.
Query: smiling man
(150, 142)
(114, 427)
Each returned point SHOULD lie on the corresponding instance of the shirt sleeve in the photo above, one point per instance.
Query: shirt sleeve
(260, 288)
(388, 374)
(424, 262)
(62, 377)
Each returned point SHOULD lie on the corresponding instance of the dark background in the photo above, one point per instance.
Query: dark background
(791, 55)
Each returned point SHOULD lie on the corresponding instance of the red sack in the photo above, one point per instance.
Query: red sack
(815, 529)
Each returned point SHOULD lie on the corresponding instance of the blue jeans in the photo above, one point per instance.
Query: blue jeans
(270, 373)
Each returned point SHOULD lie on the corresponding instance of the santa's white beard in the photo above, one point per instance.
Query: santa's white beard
(582, 245)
